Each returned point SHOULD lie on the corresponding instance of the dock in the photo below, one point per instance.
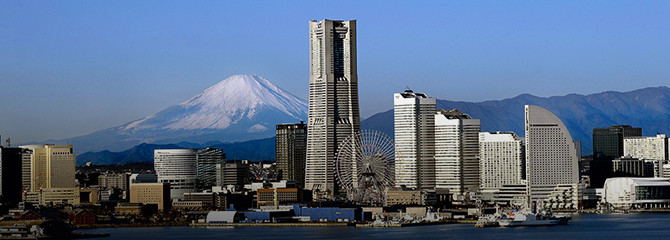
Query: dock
(298, 224)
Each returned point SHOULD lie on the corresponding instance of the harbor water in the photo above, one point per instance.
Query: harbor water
(584, 226)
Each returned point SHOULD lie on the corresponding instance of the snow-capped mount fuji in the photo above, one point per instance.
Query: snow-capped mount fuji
(239, 108)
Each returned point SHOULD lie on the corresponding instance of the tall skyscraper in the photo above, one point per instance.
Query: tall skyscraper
(414, 124)
(551, 157)
(187, 170)
(609, 141)
(456, 152)
(333, 99)
(501, 160)
(291, 151)
(51, 166)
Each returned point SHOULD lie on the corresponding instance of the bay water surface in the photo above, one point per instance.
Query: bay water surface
(583, 226)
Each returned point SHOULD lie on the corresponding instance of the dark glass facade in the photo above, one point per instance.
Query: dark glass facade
(609, 141)
(652, 192)
(291, 152)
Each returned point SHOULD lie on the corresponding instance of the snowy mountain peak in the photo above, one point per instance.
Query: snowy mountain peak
(246, 91)
(238, 98)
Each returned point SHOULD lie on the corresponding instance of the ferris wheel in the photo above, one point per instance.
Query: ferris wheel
(365, 166)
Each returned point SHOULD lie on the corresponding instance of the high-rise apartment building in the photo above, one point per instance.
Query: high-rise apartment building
(650, 148)
(187, 170)
(291, 151)
(501, 160)
(333, 99)
(456, 152)
(609, 141)
(51, 166)
(414, 124)
(551, 157)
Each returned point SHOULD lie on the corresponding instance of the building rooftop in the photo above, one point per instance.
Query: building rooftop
(411, 94)
(453, 114)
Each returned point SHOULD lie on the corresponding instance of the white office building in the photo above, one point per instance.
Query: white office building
(551, 157)
(651, 148)
(187, 170)
(456, 152)
(333, 100)
(414, 124)
(501, 160)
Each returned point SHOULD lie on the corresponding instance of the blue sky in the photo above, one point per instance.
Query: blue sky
(68, 68)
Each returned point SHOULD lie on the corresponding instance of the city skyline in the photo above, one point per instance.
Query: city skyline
(93, 68)
(248, 153)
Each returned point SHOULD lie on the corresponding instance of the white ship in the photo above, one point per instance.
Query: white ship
(526, 219)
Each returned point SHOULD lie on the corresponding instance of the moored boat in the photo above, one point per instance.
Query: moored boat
(528, 219)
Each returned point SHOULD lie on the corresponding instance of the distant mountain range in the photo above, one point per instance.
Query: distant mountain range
(254, 150)
(648, 108)
(239, 108)
(245, 107)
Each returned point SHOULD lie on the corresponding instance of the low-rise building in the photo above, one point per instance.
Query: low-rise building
(564, 197)
(398, 196)
(206, 198)
(278, 196)
(236, 200)
(83, 216)
(151, 193)
(222, 217)
(124, 209)
(636, 193)
(328, 214)
(66, 196)
(190, 205)
(88, 196)
(507, 195)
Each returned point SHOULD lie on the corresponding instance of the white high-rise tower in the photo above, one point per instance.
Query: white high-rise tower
(414, 124)
(551, 157)
(456, 152)
(333, 99)
(501, 160)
